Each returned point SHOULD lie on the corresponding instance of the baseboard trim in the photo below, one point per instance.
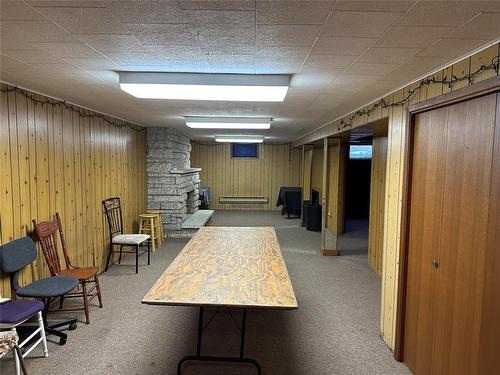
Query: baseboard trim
(329, 252)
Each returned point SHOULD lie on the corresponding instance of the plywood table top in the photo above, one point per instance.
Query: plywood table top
(229, 267)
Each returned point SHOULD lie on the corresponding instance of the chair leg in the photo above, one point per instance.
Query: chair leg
(109, 255)
(98, 287)
(137, 259)
(152, 233)
(42, 334)
(19, 360)
(120, 257)
(85, 302)
(149, 252)
(18, 356)
(61, 300)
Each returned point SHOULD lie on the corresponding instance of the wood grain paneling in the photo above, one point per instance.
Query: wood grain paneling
(277, 165)
(317, 171)
(307, 167)
(55, 159)
(377, 204)
(395, 161)
(449, 211)
(227, 266)
(337, 156)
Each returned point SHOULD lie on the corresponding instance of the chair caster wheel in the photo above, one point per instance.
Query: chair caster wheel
(62, 340)
(72, 326)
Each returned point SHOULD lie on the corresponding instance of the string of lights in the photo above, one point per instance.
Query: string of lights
(82, 113)
(494, 65)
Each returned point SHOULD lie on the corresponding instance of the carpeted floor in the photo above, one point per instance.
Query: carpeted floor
(335, 330)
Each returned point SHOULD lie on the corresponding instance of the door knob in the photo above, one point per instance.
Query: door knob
(435, 263)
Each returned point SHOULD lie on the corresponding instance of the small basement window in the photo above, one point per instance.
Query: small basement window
(244, 150)
(360, 152)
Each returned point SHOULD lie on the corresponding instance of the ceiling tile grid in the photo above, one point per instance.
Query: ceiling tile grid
(340, 54)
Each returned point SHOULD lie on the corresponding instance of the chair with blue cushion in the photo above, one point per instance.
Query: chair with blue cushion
(14, 313)
(16, 255)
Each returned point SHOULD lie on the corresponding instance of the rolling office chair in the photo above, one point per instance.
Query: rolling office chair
(16, 255)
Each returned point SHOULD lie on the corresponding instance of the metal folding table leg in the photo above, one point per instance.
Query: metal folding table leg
(204, 358)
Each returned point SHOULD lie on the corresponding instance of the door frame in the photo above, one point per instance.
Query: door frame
(482, 88)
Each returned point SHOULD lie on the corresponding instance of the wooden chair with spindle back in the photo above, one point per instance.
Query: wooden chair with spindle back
(47, 232)
(113, 212)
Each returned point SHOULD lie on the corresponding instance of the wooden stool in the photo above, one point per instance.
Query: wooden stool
(148, 225)
(160, 234)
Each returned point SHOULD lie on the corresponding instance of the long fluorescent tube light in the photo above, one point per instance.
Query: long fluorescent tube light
(239, 139)
(199, 122)
(204, 86)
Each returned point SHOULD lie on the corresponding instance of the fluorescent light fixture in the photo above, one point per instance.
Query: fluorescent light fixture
(199, 122)
(239, 139)
(204, 86)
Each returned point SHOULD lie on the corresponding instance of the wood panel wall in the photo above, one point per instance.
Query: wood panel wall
(277, 165)
(54, 159)
(307, 167)
(317, 171)
(377, 204)
(395, 161)
(337, 155)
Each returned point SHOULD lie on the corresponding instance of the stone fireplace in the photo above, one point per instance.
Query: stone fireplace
(173, 186)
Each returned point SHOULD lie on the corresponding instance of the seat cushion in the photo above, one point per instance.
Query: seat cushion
(50, 287)
(82, 274)
(130, 239)
(15, 312)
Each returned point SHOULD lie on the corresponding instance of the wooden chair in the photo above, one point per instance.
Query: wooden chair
(113, 211)
(47, 235)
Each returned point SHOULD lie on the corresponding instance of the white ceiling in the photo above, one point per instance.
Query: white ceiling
(341, 53)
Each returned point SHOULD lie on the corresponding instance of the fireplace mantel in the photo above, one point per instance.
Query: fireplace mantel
(184, 170)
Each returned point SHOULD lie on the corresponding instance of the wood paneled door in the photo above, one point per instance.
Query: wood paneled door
(453, 214)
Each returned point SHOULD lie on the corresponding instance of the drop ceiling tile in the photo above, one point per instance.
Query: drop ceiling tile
(485, 26)
(68, 3)
(412, 36)
(84, 63)
(452, 48)
(146, 58)
(268, 66)
(314, 79)
(18, 11)
(147, 11)
(231, 60)
(287, 35)
(276, 67)
(374, 69)
(31, 56)
(388, 6)
(218, 4)
(183, 53)
(328, 61)
(341, 46)
(111, 42)
(348, 24)
(69, 50)
(292, 12)
(172, 34)
(439, 13)
(107, 76)
(58, 69)
(244, 45)
(388, 55)
(222, 23)
(35, 31)
(284, 54)
(84, 20)
(12, 65)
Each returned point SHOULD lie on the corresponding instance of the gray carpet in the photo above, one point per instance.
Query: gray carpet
(335, 330)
